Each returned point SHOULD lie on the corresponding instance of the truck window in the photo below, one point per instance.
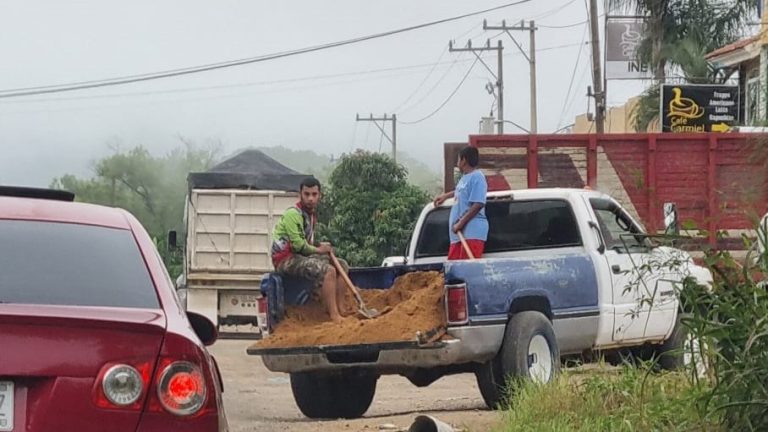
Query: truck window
(617, 228)
(513, 225)
(50, 263)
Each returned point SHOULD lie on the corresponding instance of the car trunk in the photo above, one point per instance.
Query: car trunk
(52, 355)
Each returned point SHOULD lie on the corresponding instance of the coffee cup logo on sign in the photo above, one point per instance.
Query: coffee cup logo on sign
(681, 110)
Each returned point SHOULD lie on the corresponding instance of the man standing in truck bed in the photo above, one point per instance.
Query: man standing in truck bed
(468, 212)
(295, 253)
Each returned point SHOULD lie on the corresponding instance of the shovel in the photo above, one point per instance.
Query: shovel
(361, 309)
(466, 246)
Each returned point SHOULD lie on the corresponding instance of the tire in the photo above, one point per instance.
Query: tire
(321, 395)
(682, 351)
(670, 353)
(529, 351)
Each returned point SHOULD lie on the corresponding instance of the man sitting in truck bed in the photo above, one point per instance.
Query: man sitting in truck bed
(295, 253)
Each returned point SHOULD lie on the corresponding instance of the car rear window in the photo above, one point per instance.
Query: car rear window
(52, 263)
(513, 225)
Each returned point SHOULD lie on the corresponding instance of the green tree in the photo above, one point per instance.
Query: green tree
(678, 35)
(370, 208)
(152, 188)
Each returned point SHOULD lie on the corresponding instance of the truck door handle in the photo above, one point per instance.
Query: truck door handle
(616, 268)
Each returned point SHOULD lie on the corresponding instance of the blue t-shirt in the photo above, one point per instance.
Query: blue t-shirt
(471, 189)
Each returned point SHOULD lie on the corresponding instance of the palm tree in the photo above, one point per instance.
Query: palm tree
(678, 35)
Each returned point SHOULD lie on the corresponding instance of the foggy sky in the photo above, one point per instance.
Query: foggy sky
(53, 42)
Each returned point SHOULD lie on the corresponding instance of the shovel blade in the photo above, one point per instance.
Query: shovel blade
(368, 313)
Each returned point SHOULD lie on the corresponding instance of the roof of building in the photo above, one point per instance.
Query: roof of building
(732, 47)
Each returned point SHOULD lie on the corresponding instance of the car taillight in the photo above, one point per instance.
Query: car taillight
(181, 388)
(456, 303)
(122, 386)
(262, 303)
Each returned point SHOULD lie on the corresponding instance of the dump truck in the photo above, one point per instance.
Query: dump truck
(230, 213)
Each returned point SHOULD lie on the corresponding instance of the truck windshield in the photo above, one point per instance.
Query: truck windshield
(513, 225)
(51, 263)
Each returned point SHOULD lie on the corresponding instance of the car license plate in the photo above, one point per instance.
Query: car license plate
(6, 406)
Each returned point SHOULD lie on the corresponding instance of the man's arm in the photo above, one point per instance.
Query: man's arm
(474, 209)
(294, 228)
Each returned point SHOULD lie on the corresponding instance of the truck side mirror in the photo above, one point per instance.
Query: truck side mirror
(172, 240)
(671, 223)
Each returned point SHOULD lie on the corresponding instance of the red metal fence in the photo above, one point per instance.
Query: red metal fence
(718, 181)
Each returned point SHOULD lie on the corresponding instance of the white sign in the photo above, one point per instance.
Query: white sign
(623, 37)
(6, 406)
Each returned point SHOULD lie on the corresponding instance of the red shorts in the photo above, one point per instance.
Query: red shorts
(457, 252)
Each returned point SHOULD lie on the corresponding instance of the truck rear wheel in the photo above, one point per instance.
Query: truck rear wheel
(529, 351)
(323, 395)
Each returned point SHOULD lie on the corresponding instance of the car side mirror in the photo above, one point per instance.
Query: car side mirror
(671, 223)
(172, 240)
(203, 327)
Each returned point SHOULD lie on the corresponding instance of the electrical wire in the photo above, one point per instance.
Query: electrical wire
(573, 77)
(563, 26)
(402, 69)
(431, 70)
(434, 86)
(29, 91)
(448, 99)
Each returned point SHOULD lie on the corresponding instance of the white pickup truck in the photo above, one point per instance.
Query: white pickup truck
(566, 272)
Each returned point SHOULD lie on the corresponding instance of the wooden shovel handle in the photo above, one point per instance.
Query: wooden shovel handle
(344, 275)
(466, 246)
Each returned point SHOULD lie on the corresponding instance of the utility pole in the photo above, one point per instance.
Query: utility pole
(384, 120)
(597, 79)
(498, 75)
(530, 56)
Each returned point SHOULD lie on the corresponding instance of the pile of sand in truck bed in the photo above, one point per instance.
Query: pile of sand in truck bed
(414, 303)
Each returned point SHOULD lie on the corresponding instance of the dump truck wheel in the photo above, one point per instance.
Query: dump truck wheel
(529, 351)
(336, 395)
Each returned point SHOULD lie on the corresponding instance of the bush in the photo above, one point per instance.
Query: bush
(626, 399)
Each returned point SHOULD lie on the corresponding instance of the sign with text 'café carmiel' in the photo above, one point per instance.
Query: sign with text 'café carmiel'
(699, 108)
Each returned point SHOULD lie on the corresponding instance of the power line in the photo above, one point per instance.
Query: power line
(434, 86)
(448, 99)
(431, 70)
(29, 91)
(551, 12)
(573, 77)
(564, 26)
(275, 90)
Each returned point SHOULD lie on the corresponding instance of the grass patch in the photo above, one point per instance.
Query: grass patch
(627, 399)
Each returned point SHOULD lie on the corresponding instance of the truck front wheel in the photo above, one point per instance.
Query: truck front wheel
(332, 395)
(529, 351)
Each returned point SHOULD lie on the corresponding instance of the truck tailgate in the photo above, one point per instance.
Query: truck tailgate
(361, 349)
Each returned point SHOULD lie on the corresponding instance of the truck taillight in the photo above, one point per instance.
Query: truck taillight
(262, 303)
(456, 303)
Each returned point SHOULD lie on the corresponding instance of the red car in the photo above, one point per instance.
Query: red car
(92, 334)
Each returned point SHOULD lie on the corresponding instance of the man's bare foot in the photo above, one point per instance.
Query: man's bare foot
(338, 319)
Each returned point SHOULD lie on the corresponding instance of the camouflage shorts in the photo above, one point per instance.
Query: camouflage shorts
(313, 267)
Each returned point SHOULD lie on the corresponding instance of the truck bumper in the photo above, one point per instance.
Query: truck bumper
(468, 344)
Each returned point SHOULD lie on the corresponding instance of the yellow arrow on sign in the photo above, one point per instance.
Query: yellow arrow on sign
(720, 127)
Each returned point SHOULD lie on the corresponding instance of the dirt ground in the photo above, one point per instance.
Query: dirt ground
(258, 400)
